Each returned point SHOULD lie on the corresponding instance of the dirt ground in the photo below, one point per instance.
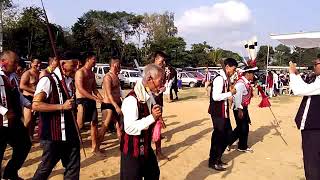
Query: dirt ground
(187, 142)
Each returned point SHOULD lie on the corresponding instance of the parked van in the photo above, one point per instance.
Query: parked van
(130, 77)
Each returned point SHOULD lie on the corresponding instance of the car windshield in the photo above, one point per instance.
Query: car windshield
(190, 75)
(134, 74)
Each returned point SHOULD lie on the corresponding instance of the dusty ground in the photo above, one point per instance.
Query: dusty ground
(187, 143)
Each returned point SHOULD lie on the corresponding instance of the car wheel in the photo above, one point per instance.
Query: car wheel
(192, 84)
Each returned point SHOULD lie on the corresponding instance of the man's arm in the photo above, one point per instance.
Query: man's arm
(299, 87)
(24, 82)
(79, 78)
(132, 125)
(217, 86)
(238, 96)
(42, 92)
(107, 86)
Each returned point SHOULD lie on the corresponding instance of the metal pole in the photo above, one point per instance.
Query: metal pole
(1, 26)
(267, 66)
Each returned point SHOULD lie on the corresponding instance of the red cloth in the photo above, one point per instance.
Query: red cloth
(265, 101)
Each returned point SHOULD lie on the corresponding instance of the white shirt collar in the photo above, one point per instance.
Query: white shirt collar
(223, 74)
(1, 72)
(58, 73)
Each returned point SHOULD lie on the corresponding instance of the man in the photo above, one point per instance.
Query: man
(207, 80)
(219, 110)
(58, 133)
(28, 83)
(159, 58)
(275, 83)
(12, 130)
(137, 157)
(240, 110)
(53, 63)
(111, 105)
(174, 86)
(87, 95)
(307, 118)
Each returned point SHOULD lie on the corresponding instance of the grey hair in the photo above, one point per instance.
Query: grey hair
(152, 70)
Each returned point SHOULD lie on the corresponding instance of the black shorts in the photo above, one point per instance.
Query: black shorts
(30, 98)
(89, 109)
(105, 106)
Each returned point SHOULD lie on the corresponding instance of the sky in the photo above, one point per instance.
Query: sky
(221, 23)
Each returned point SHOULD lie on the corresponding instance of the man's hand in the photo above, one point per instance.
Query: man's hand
(233, 91)
(156, 112)
(292, 68)
(68, 104)
(118, 110)
(240, 114)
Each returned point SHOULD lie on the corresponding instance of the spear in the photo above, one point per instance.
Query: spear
(64, 86)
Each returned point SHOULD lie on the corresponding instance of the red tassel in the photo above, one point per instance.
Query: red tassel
(265, 101)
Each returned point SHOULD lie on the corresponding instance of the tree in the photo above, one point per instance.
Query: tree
(199, 53)
(29, 36)
(282, 55)
(262, 56)
(105, 33)
(215, 55)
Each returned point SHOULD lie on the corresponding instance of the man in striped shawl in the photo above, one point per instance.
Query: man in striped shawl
(12, 130)
(58, 133)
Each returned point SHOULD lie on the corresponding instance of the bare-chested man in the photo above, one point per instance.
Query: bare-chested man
(53, 63)
(87, 95)
(111, 106)
(28, 83)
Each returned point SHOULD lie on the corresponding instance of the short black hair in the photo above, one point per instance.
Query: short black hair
(159, 53)
(114, 58)
(69, 55)
(230, 62)
(88, 55)
(33, 59)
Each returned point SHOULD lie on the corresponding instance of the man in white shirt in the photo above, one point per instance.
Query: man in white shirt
(307, 119)
(139, 115)
(240, 109)
(59, 139)
(219, 110)
(12, 130)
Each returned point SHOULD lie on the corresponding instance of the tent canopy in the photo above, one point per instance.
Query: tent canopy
(302, 40)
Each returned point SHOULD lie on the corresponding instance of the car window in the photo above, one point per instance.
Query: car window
(100, 70)
(183, 75)
(94, 69)
(134, 74)
(106, 70)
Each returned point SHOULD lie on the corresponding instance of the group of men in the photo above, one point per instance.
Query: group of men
(222, 94)
(64, 97)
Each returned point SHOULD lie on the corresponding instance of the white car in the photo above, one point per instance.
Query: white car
(188, 79)
(129, 77)
(100, 70)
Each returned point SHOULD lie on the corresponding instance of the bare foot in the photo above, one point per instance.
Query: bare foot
(98, 153)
